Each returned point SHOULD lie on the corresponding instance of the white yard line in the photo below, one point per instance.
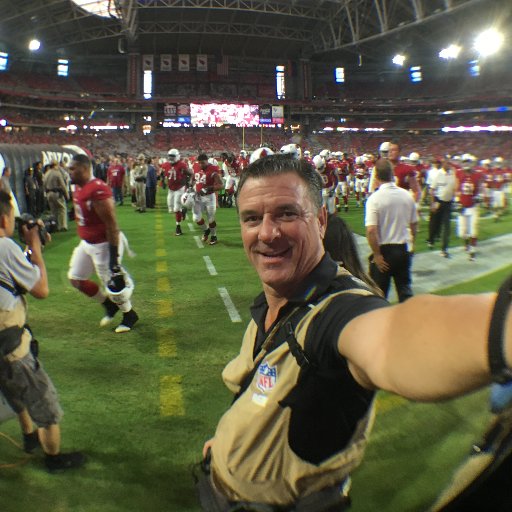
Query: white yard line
(210, 266)
(199, 242)
(232, 311)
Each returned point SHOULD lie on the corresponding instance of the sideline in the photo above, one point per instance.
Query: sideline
(431, 272)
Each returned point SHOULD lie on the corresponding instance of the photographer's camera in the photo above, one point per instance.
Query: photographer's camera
(27, 220)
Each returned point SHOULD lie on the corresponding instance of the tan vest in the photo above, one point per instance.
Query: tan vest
(251, 458)
(17, 317)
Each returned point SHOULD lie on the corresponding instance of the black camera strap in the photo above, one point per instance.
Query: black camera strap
(16, 291)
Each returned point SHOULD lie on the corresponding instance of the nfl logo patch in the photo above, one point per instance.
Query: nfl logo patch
(267, 377)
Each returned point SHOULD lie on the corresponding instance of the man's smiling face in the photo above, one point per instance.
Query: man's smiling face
(282, 230)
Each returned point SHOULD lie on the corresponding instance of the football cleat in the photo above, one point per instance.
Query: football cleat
(127, 322)
(178, 230)
(111, 308)
(206, 234)
(213, 240)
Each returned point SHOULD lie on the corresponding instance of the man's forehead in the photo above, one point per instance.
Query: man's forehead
(268, 190)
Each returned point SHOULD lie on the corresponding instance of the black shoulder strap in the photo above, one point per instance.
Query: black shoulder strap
(499, 368)
(15, 291)
(300, 355)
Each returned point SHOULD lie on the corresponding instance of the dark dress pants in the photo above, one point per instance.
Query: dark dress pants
(399, 261)
(440, 222)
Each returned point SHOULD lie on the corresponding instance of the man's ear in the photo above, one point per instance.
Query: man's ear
(322, 220)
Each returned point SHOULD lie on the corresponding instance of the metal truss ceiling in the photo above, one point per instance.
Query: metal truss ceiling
(255, 28)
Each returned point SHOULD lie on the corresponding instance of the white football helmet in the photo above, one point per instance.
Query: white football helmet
(243, 153)
(122, 296)
(414, 157)
(360, 160)
(498, 160)
(141, 157)
(307, 152)
(325, 153)
(384, 149)
(213, 161)
(319, 162)
(188, 199)
(291, 149)
(260, 153)
(173, 155)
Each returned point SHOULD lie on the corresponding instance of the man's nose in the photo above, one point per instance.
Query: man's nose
(269, 229)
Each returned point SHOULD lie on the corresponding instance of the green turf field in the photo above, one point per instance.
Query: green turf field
(141, 404)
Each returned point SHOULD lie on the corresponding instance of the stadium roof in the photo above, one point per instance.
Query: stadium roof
(321, 30)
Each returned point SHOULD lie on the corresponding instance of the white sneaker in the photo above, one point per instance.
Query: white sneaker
(123, 328)
(106, 320)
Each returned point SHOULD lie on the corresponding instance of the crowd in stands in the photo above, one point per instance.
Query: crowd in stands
(192, 141)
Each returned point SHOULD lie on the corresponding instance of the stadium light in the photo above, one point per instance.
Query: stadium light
(104, 8)
(398, 60)
(415, 74)
(4, 60)
(488, 42)
(451, 52)
(34, 45)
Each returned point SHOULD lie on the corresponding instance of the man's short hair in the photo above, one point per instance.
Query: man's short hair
(202, 157)
(384, 170)
(82, 159)
(274, 165)
(5, 203)
(394, 142)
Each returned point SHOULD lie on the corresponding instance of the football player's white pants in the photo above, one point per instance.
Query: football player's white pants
(328, 200)
(89, 258)
(498, 199)
(359, 185)
(232, 182)
(174, 200)
(205, 204)
(467, 223)
(342, 188)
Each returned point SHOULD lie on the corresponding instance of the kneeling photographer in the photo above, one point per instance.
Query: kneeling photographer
(23, 381)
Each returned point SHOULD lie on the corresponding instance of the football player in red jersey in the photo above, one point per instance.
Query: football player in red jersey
(176, 173)
(406, 175)
(497, 186)
(232, 169)
(307, 156)
(360, 180)
(101, 247)
(343, 171)
(329, 182)
(469, 191)
(207, 181)
(243, 159)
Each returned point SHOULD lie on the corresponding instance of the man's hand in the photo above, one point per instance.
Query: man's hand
(207, 446)
(381, 263)
(32, 237)
(113, 263)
